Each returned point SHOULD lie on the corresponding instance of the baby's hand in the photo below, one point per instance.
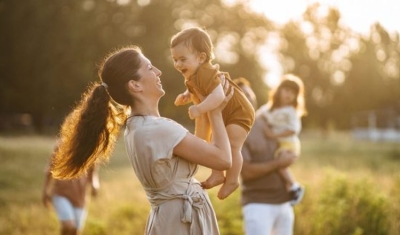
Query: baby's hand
(182, 99)
(194, 112)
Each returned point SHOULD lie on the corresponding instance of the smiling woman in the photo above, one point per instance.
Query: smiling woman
(164, 155)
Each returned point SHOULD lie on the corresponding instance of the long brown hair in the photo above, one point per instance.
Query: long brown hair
(89, 132)
(294, 83)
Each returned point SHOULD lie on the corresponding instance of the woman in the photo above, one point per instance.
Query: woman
(164, 154)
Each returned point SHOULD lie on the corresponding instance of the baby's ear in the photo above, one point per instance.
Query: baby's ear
(203, 57)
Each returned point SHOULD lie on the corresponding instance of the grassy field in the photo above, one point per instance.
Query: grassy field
(352, 188)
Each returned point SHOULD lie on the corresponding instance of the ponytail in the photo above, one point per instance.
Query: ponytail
(88, 133)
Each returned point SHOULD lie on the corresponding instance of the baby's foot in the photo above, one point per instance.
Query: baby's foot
(226, 189)
(213, 180)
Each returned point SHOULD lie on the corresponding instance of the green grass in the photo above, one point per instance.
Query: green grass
(352, 187)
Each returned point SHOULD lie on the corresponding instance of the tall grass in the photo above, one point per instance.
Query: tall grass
(352, 188)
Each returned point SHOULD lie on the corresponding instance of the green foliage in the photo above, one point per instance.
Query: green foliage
(352, 188)
(51, 50)
(348, 206)
(229, 213)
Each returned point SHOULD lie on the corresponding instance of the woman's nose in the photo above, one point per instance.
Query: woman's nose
(159, 72)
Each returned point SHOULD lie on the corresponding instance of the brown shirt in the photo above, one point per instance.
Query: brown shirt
(238, 111)
(270, 188)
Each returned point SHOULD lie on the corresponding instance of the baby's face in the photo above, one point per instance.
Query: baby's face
(287, 96)
(186, 61)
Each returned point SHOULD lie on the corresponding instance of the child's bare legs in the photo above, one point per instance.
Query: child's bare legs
(237, 135)
(288, 177)
(286, 173)
(68, 228)
(291, 184)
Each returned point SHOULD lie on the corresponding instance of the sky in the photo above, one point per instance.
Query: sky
(356, 14)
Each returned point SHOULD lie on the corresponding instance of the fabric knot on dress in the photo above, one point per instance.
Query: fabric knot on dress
(187, 209)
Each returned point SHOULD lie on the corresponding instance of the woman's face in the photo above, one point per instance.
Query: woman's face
(186, 61)
(150, 82)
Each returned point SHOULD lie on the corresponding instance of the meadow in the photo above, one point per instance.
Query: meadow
(352, 188)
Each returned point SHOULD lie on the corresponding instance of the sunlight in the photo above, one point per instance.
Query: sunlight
(354, 15)
(382, 11)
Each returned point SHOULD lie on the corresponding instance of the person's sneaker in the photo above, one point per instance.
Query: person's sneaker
(298, 194)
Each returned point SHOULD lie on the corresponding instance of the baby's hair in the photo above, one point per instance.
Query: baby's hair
(294, 83)
(196, 39)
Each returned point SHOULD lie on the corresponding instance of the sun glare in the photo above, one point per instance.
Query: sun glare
(355, 14)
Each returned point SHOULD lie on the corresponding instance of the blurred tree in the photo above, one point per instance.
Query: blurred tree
(49, 51)
(343, 71)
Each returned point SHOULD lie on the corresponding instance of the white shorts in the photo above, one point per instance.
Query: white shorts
(268, 219)
(66, 211)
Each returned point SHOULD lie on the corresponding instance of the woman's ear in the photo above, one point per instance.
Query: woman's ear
(134, 86)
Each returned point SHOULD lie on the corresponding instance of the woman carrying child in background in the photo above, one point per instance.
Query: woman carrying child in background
(283, 112)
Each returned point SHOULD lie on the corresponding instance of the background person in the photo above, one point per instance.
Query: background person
(283, 112)
(265, 201)
(245, 85)
(69, 198)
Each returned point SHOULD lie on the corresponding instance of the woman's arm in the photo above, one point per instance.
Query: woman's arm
(202, 128)
(216, 155)
(254, 170)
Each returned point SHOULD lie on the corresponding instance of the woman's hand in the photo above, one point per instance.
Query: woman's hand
(194, 112)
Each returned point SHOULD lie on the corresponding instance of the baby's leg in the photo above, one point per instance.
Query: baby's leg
(237, 136)
(286, 173)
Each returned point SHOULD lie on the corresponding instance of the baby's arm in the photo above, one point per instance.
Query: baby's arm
(285, 133)
(212, 101)
(183, 98)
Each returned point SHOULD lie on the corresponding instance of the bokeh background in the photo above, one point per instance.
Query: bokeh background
(50, 50)
(346, 52)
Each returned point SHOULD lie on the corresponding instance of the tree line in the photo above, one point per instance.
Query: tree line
(49, 52)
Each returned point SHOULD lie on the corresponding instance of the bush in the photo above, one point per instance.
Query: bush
(348, 206)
